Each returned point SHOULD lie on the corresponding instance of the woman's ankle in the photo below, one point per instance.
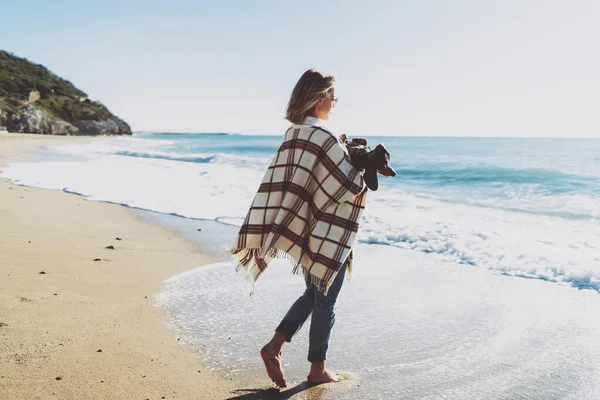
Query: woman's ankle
(277, 342)
(317, 368)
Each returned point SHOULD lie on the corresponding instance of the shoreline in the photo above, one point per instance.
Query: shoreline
(72, 327)
(435, 326)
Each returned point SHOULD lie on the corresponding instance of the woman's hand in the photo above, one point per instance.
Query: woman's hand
(359, 142)
(354, 142)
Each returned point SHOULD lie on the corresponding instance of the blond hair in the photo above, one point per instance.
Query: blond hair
(311, 87)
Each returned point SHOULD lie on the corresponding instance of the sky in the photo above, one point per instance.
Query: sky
(514, 68)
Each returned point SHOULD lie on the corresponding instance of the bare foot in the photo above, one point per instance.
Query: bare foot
(272, 362)
(324, 377)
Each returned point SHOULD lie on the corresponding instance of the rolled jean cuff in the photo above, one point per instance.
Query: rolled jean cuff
(316, 356)
(288, 329)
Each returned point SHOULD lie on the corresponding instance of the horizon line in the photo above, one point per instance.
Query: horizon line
(368, 135)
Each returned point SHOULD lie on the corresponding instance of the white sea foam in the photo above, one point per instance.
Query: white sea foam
(145, 175)
(407, 325)
(411, 325)
(196, 190)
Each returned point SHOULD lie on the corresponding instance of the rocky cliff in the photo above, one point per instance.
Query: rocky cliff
(34, 100)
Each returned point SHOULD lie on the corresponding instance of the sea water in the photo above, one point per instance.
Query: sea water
(525, 207)
(437, 306)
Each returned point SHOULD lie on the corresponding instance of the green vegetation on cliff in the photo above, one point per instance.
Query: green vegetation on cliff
(19, 76)
(59, 100)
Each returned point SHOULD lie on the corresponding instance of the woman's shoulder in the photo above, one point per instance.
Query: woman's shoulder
(315, 133)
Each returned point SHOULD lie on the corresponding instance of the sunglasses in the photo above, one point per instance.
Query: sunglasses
(334, 100)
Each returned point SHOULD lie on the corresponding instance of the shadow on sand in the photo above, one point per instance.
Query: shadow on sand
(313, 392)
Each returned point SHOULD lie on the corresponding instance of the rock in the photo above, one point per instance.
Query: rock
(99, 259)
(118, 238)
(108, 127)
(58, 378)
(99, 351)
(32, 119)
(111, 247)
(42, 273)
(3, 324)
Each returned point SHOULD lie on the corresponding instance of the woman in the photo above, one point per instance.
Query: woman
(307, 211)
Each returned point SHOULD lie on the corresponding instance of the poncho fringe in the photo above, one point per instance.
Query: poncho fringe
(271, 254)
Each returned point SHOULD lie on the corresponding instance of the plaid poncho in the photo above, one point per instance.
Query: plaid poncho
(307, 209)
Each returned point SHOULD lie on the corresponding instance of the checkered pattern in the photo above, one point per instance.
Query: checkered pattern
(307, 209)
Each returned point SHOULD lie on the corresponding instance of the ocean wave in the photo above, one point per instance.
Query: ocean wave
(112, 146)
(450, 174)
(527, 233)
(511, 243)
(200, 158)
(186, 134)
(530, 201)
(591, 214)
(569, 207)
(195, 158)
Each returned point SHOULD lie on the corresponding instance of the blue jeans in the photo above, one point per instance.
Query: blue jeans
(323, 316)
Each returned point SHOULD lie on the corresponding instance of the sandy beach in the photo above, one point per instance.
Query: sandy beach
(75, 328)
(162, 315)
